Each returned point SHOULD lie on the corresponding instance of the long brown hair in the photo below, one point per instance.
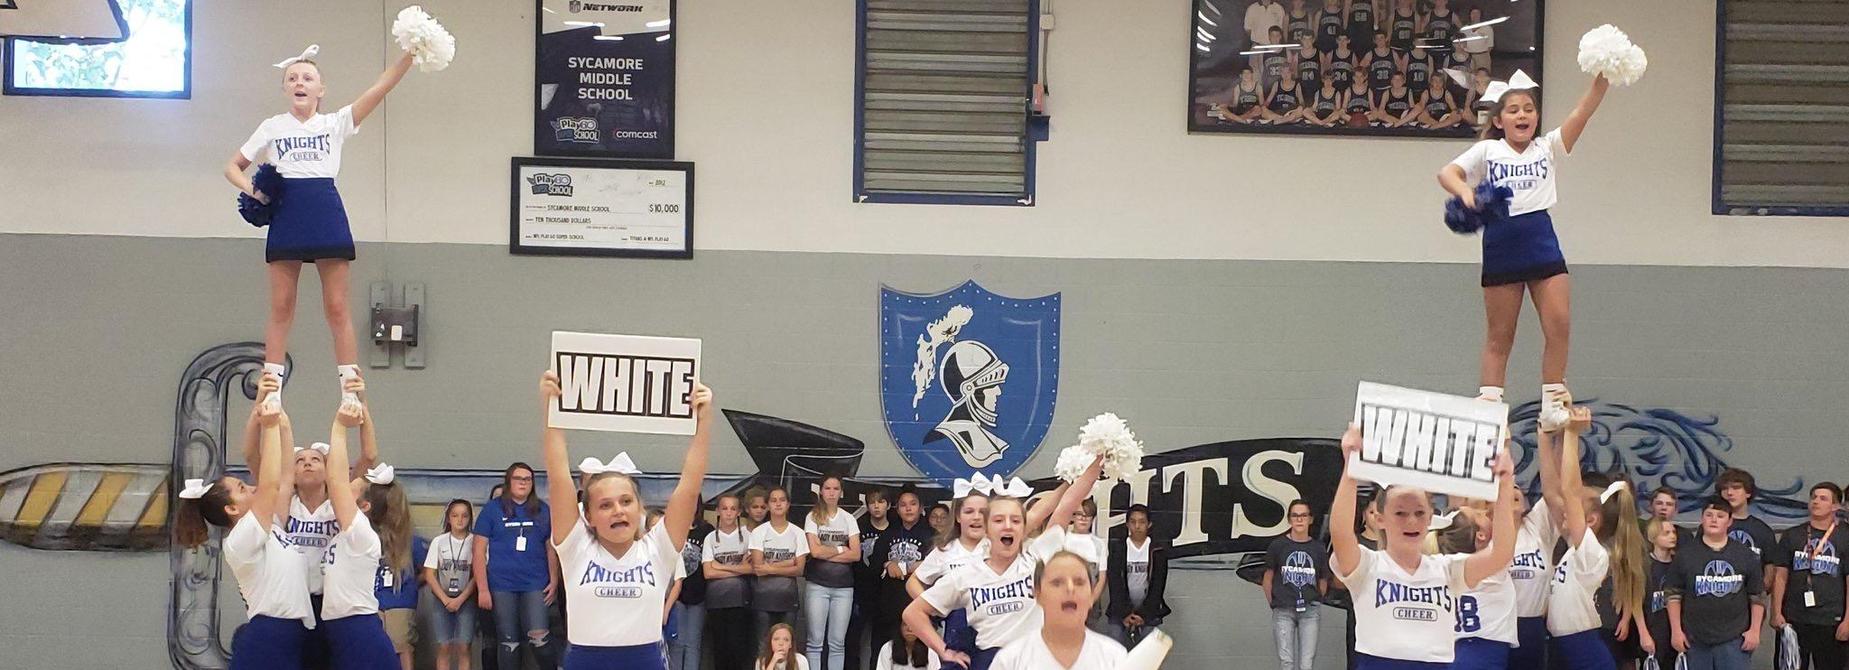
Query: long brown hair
(390, 516)
(191, 517)
(507, 486)
(1625, 543)
(765, 655)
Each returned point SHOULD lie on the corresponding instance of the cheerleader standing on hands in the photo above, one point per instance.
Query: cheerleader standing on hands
(307, 221)
(1520, 252)
(616, 573)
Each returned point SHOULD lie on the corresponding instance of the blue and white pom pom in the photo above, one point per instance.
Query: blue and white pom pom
(431, 47)
(268, 182)
(1104, 435)
(1608, 51)
(1492, 206)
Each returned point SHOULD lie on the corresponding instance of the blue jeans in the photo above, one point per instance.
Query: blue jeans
(522, 615)
(1724, 656)
(684, 651)
(456, 627)
(827, 610)
(1296, 632)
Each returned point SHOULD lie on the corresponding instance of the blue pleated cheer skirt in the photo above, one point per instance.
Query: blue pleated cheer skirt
(309, 223)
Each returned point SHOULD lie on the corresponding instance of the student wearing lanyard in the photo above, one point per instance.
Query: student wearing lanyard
(452, 583)
(622, 571)
(1296, 577)
(516, 570)
(1809, 594)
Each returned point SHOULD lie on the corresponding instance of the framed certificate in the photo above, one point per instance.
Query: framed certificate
(597, 207)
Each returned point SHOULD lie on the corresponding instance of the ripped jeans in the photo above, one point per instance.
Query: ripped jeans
(521, 615)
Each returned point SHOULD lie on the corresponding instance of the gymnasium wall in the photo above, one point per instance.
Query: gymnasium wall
(766, 111)
(1208, 294)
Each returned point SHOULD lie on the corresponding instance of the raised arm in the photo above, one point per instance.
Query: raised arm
(1071, 498)
(369, 438)
(1573, 505)
(1492, 559)
(1582, 112)
(370, 100)
(561, 489)
(684, 502)
(269, 473)
(1548, 462)
(1342, 544)
(340, 489)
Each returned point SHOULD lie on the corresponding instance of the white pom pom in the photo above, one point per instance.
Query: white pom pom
(431, 46)
(1072, 462)
(1608, 51)
(1108, 436)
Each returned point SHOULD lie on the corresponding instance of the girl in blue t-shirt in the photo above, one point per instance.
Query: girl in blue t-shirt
(515, 562)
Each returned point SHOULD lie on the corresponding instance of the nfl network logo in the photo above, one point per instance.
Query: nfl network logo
(574, 6)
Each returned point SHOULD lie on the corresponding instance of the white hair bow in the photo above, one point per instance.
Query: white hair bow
(322, 447)
(1015, 488)
(1442, 521)
(380, 474)
(195, 489)
(977, 483)
(307, 54)
(618, 464)
(1611, 491)
(1520, 81)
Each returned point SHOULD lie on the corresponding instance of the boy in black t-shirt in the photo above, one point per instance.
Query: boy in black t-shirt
(1809, 593)
(1716, 596)
(1296, 577)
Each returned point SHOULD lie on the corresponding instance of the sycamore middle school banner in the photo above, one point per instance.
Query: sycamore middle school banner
(604, 73)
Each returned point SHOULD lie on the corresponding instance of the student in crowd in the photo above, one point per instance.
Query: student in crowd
(939, 519)
(402, 553)
(518, 568)
(1296, 577)
(484, 622)
(1716, 595)
(684, 648)
(1082, 540)
(778, 552)
(725, 560)
(867, 575)
(1663, 537)
(1807, 591)
(903, 547)
(780, 650)
(1739, 488)
(834, 548)
(448, 573)
(757, 507)
(1138, 578)
(906, 652)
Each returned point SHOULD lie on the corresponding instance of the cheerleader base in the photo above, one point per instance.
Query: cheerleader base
(360, 643)
(1584, 650)
(309, 224)
(269, 643)
(634, 657)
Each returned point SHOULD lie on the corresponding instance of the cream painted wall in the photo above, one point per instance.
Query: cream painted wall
(766, 111)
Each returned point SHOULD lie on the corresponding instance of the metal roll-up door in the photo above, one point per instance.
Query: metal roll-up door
(1784, 117)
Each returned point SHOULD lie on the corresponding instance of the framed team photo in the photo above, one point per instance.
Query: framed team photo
(1369, 68)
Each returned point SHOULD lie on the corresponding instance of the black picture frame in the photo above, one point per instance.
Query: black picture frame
(1216, 35)
(9, 87)
(540, 146)
(513, 220)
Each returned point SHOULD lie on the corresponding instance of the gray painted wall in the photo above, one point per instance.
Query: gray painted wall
(99, 328)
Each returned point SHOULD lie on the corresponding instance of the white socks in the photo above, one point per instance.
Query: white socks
(275, 399)
(348, 399)
(1490, 393)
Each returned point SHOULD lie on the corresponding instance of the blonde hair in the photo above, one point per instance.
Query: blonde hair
(593, 480)
(822, 512)
(390, 515)
(1625, 543)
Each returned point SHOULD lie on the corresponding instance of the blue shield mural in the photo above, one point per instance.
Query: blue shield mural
(968, 378)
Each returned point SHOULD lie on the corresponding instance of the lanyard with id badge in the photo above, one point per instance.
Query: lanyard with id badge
(520, 541)
(456, 547)
(1810, 594)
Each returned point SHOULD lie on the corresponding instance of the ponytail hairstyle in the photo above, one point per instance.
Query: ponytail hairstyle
(390, 515)
(1622, 539)
(1461, 536)
(912, 654)
(194, 519)
(955, 531)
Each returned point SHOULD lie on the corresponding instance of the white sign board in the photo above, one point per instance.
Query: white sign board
(602, 208)
(1440, 443)
(625, 383)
